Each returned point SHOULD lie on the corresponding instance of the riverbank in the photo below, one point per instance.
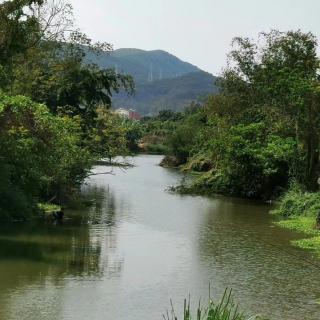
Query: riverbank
(178, 244)
(299, 210)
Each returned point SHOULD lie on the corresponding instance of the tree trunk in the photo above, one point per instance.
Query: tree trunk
(313, 163)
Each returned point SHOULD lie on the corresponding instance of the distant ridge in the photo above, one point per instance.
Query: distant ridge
(162, 80)
(174, 94)
(145, 66)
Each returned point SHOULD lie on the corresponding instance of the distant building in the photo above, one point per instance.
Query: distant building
(129, 114)
(122, 112)
(134, 115)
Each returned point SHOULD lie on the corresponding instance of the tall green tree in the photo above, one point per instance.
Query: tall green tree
(47, 135)
(281, 75)
(42, 56)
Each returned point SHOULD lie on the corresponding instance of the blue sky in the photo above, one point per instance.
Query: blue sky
(199, 31)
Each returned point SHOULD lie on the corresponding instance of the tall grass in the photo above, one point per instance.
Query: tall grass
(226, 309)
(298, 202)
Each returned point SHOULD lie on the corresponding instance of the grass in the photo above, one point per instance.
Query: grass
(297, 202)
(48, 207)
(309, 244)
(307, 226)
(226, 309)
(302, 224)
(298, 210)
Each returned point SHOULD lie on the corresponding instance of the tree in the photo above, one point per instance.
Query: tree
(281, 74)
(42, 56)
(43, 150)
(41, 155)
(107, 138)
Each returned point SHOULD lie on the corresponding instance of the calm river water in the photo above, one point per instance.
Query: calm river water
(137, 246)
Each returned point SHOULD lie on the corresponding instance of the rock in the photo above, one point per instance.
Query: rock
(170, 162)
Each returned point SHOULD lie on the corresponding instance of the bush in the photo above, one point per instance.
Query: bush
(157, 149)
(244, 160)
(298, 202)
(300, 211)
(40, 156)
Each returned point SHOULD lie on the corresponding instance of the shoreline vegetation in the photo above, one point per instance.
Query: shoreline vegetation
(299, 210)
(259, 133)
(226, 309)
(258, 138)
(56, 120)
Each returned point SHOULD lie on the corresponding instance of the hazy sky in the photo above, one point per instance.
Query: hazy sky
(199, 31)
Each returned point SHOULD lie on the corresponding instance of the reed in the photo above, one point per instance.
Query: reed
(226, 309)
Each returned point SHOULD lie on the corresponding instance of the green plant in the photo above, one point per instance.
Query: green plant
(226, 309)
(298, 202)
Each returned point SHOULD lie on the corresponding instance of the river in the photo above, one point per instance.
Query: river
(136, 246)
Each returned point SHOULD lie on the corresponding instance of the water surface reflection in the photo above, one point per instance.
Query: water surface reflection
(137, 245)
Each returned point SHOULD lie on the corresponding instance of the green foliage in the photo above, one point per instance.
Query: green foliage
(300, 211)
(297, 202)
(246, 159)
(49, 140)
(14, 203)
(312, 244)
(263, 128)
(281, 75)
(19, 30)
(158, 148)
(198, 163)
(134, 132)
(155, 131)
(254, 161)
(226, 309)
(162, 81)
(174, 93)
(48, 207)
(56, 75)
(300, 223)
(40, 155)
(42, 57)
(108, 137)
(183, 139)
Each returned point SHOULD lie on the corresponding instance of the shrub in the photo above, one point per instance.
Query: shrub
(298, 202)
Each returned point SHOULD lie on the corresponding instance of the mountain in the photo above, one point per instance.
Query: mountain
(162, 81)
(145, 66)
(174, 94)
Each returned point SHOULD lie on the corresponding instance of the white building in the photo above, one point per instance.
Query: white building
(123, 112)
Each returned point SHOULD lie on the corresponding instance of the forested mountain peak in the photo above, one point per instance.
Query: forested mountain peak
(162, 80)
(144, 66)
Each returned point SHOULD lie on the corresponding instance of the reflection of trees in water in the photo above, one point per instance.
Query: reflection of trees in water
(102, 218)
(84, 246)
(103, 209)
(234, 243)
(239, 250)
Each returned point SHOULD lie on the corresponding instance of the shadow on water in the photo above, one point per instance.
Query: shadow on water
(35, 252)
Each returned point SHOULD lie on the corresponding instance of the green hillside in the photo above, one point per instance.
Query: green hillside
(173, 94)
(145, 66)
(162, 81)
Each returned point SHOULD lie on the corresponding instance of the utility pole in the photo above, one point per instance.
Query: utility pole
(150, 78)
